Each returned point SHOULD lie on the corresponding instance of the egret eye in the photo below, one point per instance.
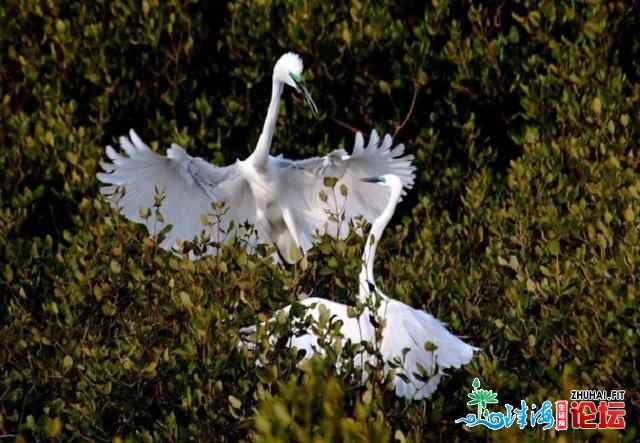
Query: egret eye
(295, 77)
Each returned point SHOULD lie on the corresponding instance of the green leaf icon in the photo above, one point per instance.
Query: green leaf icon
(481, 397)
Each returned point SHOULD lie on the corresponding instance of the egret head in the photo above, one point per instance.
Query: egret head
(288, 71)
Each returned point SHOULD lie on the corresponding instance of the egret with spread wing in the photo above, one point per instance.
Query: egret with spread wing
(280, 197)
(415, 344)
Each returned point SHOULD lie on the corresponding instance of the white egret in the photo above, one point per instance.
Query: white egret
(280, 197)
(413, 343)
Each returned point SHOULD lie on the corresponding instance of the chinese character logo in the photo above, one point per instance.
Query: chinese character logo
(583, 413)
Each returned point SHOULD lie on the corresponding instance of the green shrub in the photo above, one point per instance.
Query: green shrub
(521, 232)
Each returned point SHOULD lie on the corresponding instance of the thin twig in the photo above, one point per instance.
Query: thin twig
(24, 402)
(344, 125)
(416, 88)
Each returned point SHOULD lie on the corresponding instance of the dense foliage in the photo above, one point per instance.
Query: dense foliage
(522, 232)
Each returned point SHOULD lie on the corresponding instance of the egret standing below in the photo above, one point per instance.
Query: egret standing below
(413, 342)
(280, 197)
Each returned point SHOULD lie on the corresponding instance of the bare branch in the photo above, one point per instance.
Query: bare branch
(344, 125)
(416, 88)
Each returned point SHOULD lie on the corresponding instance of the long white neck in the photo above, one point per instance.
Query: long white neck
(259, 156)
(367, 278)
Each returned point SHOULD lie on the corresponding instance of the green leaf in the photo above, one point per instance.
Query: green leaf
(234, 402)
(330, 182)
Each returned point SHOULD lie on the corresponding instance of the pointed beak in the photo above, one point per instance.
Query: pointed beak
(371, 179)
(303, 90)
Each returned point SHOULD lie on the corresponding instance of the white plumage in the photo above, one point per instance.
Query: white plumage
(414, 344)
(280, 197)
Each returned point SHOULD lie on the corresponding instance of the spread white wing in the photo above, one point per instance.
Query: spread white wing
(189, 185)
(303, 187)
(431, 349)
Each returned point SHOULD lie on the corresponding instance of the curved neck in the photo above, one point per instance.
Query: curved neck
(367, 278)
(261, 153)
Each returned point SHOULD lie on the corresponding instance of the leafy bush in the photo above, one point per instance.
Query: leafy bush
(521, 232)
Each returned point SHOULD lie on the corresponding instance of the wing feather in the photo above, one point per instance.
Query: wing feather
(303, 183)
(409, 328)
(188, 184)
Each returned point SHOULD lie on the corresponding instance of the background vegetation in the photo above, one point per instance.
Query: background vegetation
(521, 232)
